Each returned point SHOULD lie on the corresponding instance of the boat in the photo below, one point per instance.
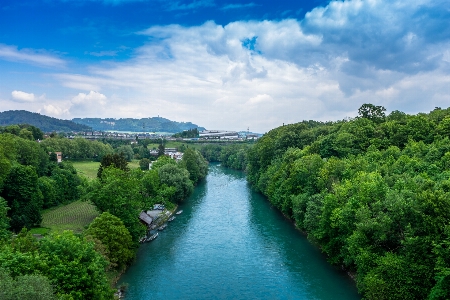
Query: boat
(162, 227)
(171, 219)
(154, 236)
(179, 212)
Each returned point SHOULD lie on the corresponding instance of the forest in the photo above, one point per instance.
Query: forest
(372, 192)
(65, 265)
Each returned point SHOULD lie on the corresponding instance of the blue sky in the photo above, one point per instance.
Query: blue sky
(223, 64)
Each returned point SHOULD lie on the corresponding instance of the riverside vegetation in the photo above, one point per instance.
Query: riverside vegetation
(67, 264)
(372, 192)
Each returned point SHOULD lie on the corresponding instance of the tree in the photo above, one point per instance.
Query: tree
(25, 287)
(116, 160)
(113, 234)
(24, 197)
(127, 151)
(74, 267)
(144, 164)
(161, 150)
(4, 222)
(119, 193)
(372, 112)
(172, 175)
(196, 165)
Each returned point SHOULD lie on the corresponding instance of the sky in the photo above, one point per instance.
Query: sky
(223, 64)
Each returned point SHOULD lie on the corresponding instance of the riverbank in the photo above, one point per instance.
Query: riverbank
(163, 219)
(249, 253)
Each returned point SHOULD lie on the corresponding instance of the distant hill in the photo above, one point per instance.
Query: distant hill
(44, 123)
(155, 124)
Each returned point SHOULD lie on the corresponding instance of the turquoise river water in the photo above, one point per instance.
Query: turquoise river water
(229, 243)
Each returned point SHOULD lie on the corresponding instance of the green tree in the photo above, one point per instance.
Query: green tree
(24, 197)
(196, 165)
(113, 234)
(144, 163)
(127, 151)
(372, 112)
(172, 175)
(25, 287)
(119, 193)
(4, 222)
(116, 160)
(161, 150)
(74, 267)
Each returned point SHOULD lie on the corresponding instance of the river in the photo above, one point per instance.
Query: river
(229, 243)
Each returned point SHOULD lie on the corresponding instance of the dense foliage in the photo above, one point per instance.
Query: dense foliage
(66, 266)
(77, 148)
(110, 231)
(44, 123)
(67, 263)
(190, 133)
(232, 156)
(30, 181)
(373, 192)
(125, 193)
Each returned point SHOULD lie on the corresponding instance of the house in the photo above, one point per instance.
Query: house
(58, 156)
(145, 219)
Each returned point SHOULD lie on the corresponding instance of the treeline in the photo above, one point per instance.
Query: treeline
(231, 156)
(31, 180)
(190, 133)
(65, 265)
(372, 192)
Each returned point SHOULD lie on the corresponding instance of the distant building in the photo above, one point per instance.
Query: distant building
(58, 156)
(218, 134)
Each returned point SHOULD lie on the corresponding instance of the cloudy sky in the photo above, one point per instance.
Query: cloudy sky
(223, 64)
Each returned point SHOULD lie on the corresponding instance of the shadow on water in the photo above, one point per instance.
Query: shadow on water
(229, 243)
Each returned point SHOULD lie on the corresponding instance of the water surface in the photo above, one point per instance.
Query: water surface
(229, 243)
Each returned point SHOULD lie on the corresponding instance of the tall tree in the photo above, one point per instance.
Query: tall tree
(116, 160)
(113, 234)
(24, 197)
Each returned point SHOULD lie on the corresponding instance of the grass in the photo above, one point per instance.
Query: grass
(87, 168)
(74, 216)
(90, 168)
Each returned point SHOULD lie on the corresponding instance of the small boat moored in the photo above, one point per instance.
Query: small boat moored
(162, 227)
(179, 212)
(154, 236)
(171, 219)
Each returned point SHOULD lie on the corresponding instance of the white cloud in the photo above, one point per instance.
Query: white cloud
(88, 104)
(264, 73)
(22, 96)
(31, 56)
(54, 111)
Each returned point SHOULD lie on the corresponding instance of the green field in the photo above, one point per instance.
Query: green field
(74, 216)
(90, 168)
(87, 168)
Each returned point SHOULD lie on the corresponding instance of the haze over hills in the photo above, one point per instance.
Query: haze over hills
(49, 124)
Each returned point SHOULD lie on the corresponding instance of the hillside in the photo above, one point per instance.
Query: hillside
(154, 124)
(45, 123)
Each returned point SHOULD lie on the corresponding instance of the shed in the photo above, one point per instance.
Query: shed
(145, 218)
